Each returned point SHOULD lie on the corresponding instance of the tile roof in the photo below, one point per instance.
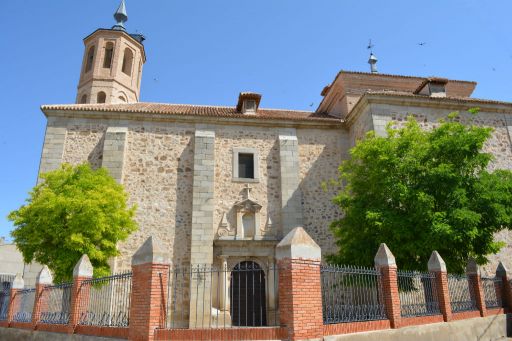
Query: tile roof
(196, 110)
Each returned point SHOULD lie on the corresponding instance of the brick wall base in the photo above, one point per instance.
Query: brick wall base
(355, 327)
(120, 333)
(465, 315)
(418, 320)
(54, 328)
(271, 333)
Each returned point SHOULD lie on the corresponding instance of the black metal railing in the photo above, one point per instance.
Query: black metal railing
(23, 304)
(206, 296)
(106, 301)
(351, 294)
(418, 293)
(56, 303)
(5, 294)
(462, 293)
(492, 287)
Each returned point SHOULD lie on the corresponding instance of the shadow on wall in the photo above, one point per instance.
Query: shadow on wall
(183, 214)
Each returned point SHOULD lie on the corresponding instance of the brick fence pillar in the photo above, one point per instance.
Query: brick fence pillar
(82, 271)
(17, 285)
(437, 266)
(478, 291)
(385, 263)
(150, 266)
(506, 289)
(44, 278)
(300, 295)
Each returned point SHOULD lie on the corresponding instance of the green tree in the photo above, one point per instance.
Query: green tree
(73, 211)
(422, 190)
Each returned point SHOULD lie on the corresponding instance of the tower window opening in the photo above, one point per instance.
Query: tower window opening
(102, 97)
(109, 52)
(127, 61)
(90, 59)
(83, 100)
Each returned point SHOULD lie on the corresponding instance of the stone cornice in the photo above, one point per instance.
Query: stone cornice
(446, 103)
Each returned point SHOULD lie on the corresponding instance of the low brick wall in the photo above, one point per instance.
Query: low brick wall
(465, 315)
(14, 334)
(355, 327)
(270, 333)
(419, 320)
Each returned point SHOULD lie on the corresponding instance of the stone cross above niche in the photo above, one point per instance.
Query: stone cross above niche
(248, 220)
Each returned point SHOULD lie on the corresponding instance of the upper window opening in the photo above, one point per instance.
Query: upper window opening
(127, 61)
(102, 97)
(83, 100)
(246, 165)
(90, 59)
(109, 52)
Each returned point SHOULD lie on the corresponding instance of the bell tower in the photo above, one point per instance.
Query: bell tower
(112, 64)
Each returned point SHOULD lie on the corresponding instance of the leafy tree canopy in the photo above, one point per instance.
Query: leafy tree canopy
(422, 190)
(73, 211)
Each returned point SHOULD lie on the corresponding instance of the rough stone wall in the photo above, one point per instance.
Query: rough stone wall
(361, 126)
(320, 153)
(499, 144)
(266, 191)
(84, 142)
(158, 177)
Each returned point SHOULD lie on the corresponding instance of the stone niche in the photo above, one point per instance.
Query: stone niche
(247, 223)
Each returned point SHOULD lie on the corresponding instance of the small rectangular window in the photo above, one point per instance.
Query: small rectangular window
(246, 166)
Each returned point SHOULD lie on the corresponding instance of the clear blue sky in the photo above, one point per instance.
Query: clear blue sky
(206, 52)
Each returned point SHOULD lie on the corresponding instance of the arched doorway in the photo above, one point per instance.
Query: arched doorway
(248, 297)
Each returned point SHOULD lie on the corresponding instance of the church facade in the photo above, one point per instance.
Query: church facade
(223, 185)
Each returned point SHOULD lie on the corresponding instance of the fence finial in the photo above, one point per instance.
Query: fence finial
(18, 282)
(472, 267)
(44, 276)
(83, 267)
(384, 257)
(436, 263)
(298, 244)
(152, 251)
(501, 270)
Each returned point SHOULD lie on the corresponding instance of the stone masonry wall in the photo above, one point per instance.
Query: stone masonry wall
(265, 191)
(320, 153)
(158, 174)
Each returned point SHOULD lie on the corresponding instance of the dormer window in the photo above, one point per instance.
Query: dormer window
(433, 87)
(250, 106)
(248, 102)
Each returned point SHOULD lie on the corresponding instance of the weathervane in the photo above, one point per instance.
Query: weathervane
(372, 60)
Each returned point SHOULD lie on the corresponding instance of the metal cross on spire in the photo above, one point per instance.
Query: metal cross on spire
(121, 17)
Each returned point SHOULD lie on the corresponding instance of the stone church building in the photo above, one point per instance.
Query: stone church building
(223, 184)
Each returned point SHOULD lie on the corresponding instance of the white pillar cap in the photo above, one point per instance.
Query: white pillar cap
(384, 256)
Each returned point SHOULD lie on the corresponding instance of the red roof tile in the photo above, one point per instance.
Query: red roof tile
(195, 110)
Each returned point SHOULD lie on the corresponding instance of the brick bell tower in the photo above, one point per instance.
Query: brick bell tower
(112, 65)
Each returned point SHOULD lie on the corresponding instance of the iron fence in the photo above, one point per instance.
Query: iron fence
(56, 304)
(462, 293)
(418, 294)
(351, 294)
(492, 291)
(106, 301)
(23, 304)
(206, 296)
(5, 294)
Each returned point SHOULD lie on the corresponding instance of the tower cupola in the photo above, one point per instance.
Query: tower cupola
(112, 64)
